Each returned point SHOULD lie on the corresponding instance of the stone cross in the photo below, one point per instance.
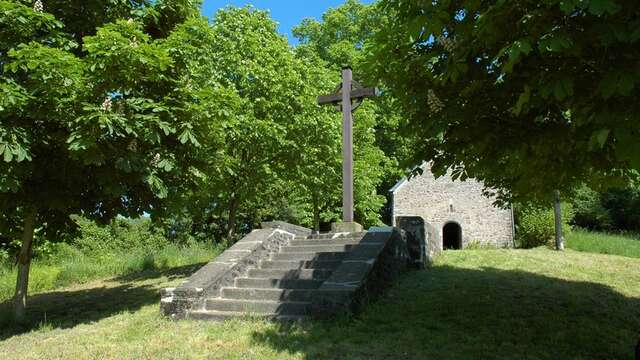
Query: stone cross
(348, 97)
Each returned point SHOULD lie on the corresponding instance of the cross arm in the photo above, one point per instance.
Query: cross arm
(355, 94)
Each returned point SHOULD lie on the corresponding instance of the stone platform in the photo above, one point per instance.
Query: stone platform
(283, 272)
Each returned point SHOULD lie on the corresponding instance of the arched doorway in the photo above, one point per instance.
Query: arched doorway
(451, 236)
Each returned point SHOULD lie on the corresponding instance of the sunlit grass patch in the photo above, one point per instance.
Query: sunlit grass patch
(603, 243)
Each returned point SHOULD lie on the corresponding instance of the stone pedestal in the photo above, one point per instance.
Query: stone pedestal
(346, 227)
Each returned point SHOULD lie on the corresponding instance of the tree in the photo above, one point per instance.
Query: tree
(262, 76)
(317, 147)
(526, 96)
(337, 40)
(110, 125)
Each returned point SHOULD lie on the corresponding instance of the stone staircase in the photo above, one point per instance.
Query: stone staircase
(282, 285)
(282, 272)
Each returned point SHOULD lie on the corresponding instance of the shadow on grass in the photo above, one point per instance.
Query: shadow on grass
(66, 309)
(453, 313)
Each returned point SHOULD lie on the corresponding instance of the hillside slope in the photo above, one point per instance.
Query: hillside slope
(471, 304)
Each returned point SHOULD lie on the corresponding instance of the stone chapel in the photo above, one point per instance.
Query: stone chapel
(445, 214)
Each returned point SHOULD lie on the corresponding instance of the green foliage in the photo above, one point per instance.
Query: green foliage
(339, 37)
(125, 118)
(120, 247)
(613, 209)
(337, 40)
(623, 205)
(120, 235)
(604, 243)
(536, 225)
(520, 95)
(589, 210)
(101, 115)
(73, 266)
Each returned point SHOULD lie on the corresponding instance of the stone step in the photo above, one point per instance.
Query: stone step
(226, 315)
(315, 256)
(294, 264)
(277, 283)
(358, 235)
(259, 307)
(314, 274)
(315, 248)
(339, 241)
(267, 294)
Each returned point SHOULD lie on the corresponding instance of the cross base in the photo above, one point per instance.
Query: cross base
(340, 227)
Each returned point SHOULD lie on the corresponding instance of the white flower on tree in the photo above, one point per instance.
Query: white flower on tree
(155, 160)
(106, 104)
(38, 7)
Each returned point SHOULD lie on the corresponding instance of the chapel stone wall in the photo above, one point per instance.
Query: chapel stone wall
(442, 200)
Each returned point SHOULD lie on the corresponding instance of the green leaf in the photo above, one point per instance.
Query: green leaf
(600, 137)
(522, 100)
(157, 186)
(8, 155)
(20, 153)
(184, 137)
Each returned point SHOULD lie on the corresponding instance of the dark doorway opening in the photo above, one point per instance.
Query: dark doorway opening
(451, 236)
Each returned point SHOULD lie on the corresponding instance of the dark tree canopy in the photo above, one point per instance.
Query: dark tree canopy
(528, 96)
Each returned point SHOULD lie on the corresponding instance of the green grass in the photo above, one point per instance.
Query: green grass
(77, 268)
(484, 304)
(603, 243)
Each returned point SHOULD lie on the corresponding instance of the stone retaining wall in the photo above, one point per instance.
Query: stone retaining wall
(369, 269)
(222, 271)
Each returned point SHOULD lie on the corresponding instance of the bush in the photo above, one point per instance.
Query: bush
(119, 235)
(615, 209)
(624, 207)
(4, 257)
(536, 225)
(589, 212)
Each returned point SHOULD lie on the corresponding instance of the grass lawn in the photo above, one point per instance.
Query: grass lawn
(79, 269)
(489, 304)
(604, 243)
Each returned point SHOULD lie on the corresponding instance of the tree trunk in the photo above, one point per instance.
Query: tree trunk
(24, 262)
(231, 224)
(558, 219)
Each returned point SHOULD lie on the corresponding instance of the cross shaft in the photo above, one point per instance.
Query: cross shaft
(345, 96)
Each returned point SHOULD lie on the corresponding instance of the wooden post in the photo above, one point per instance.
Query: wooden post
(347, 146)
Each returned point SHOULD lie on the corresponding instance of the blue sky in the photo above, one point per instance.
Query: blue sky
(288, 13)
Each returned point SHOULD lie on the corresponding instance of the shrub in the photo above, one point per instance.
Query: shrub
(615, 209)
(119, 235)
(589, 212)
(624, 207)
(536, 225)
(4, 257)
